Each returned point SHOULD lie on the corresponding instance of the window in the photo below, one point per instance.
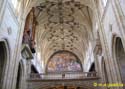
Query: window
(14, 2)
(104, 2)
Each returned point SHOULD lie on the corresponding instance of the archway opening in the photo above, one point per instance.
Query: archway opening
(64, 61)
(33, 69)
(19, 77)
(92, 68)
(120, 56)
(3, 55)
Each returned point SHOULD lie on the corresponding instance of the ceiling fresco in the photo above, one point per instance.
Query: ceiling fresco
(64, 62)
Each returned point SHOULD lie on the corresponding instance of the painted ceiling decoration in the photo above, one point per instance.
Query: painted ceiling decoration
(64, 61)
(63, 25)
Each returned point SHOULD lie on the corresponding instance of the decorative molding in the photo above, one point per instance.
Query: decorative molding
(9, 30)
(26, 52)
(98, 47)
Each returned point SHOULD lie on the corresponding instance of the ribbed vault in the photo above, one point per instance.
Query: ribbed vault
(62, 25)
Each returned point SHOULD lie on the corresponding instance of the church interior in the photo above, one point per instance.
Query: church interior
(62, 44)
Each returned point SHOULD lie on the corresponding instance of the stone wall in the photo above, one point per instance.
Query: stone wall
(11, 31)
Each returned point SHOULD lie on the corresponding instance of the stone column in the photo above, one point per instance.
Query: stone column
(3, 4)
(117, 8)
(103, 41)
(97, 54)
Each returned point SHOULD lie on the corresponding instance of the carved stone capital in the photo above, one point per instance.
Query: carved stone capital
(98, 48)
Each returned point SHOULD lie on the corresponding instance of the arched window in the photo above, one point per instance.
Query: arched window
(120, 57)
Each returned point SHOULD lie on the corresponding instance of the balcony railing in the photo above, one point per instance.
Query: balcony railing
(63, 76)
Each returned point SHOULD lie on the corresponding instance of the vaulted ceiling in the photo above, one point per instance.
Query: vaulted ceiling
(63, 25)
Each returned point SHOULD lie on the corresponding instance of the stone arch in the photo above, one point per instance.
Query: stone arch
(4, 60)
(65, 51)
(119, 56)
